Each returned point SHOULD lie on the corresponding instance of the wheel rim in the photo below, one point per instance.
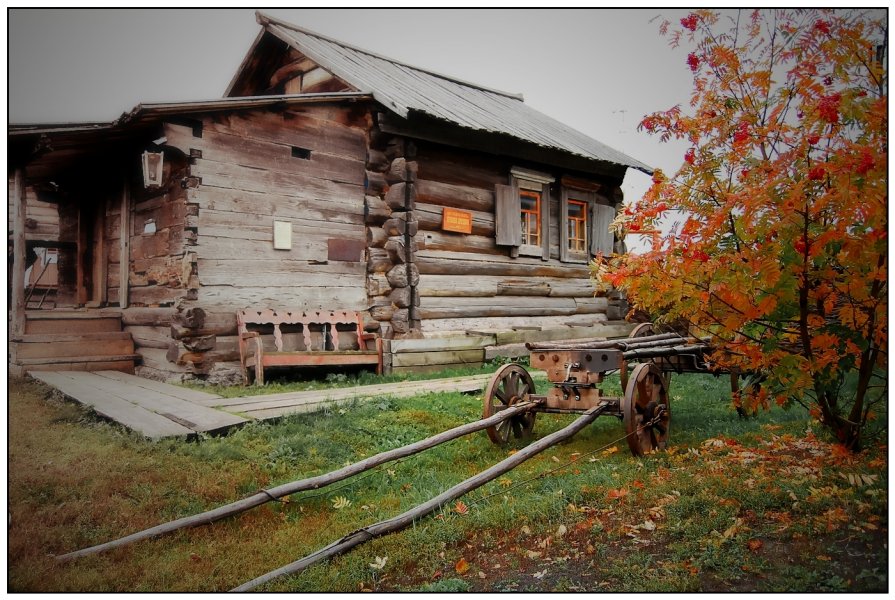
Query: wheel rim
(510, 385)
(642, 330)
(646, 411)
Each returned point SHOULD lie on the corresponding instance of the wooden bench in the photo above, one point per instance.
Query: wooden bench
(319, 332)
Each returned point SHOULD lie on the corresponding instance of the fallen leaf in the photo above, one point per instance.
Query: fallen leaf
(539, 574)
(754, 545)
(648, 525)
(561, 531)
(379, 563)
(460, 508)
(481, 575)
(638, 484)
(617, 494)
(525, 530)
(462, 566)
(341, 502)
(505, 482)
(532, 554)
(554, 459)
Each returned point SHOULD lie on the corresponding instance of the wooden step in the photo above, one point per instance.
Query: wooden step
(123, 363)
(79, 345)
(70, 321)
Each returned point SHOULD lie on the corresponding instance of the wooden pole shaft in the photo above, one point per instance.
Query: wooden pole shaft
(311, 483)
(18, 260)
(406, 518)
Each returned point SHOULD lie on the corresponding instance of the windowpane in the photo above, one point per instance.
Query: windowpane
(576, 226)
(531, 217)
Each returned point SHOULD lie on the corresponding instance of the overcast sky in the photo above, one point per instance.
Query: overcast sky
(598, 70)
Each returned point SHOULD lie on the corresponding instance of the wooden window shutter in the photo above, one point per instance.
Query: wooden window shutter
(507, 211)
(564, 225)
(601, 238)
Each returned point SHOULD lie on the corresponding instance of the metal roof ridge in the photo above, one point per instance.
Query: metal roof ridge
(264, 20)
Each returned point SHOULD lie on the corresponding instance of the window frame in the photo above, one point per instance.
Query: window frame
(534, 182)
(588, 198)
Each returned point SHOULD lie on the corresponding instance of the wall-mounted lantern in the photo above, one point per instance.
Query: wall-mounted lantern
(153, 168)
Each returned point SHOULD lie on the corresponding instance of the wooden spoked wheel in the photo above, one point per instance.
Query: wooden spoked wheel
(510, 385)
(642, 330)
(646, 412)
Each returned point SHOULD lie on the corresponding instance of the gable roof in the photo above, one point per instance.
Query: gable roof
(405, 89)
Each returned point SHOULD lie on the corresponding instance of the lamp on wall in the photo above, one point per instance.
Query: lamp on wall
(153, 167)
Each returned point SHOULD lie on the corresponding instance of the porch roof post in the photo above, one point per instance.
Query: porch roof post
(18, 249)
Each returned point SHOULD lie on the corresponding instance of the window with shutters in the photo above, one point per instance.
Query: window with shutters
(522, 213)
(585, 218)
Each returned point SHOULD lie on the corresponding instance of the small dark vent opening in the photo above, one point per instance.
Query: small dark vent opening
(302, 153)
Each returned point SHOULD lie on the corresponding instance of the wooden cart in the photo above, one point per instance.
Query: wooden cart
(576, 371)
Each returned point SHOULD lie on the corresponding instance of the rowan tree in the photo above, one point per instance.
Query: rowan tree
(780, 249)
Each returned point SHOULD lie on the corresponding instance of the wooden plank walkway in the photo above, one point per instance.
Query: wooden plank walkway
(153, 409)
(159, 410)
(269, 406)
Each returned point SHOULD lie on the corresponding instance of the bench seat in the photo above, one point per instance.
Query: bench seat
(255, 358)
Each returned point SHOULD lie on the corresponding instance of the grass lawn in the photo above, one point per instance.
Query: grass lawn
(766, 504)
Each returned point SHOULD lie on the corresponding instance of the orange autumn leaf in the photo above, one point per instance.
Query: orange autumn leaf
(462, 566)
(460, 508)
(754, 545)
(617, 494)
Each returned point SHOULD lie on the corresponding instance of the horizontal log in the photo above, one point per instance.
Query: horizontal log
(498, 325)
(193, 317)
(438, 262)
(374, 183)
(455, 196)
(467, 342)
(455, 166)
(523, 288)
(430, 218)
(377, 161)
(294, 206)
(376, 237)
(377, 211)
(401, 196)
(401, 276)
(288, 297)
(310, 129)
(446, 357)
(149, 336)
(378, 260)
(236, 177)
(278, 267)
(149, 317)
(458, 242)
(155, 295)
(401, 170)
(272, 156)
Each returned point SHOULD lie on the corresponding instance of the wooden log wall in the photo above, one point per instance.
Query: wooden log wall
(41, 218)
(302, 166)
(468, 282)
(392, 225)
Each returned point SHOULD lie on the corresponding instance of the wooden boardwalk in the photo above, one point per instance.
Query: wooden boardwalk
(158, 410)
(154, 409)
(270, 406)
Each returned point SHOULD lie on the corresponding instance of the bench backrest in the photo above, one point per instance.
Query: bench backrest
(306, 319)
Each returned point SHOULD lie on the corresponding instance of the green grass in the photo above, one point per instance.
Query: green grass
(76, 481)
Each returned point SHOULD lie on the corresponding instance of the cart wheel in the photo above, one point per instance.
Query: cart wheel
(509, 385)
(642, 330)
(645, 410)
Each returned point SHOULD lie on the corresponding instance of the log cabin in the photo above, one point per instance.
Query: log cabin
(458, 221)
